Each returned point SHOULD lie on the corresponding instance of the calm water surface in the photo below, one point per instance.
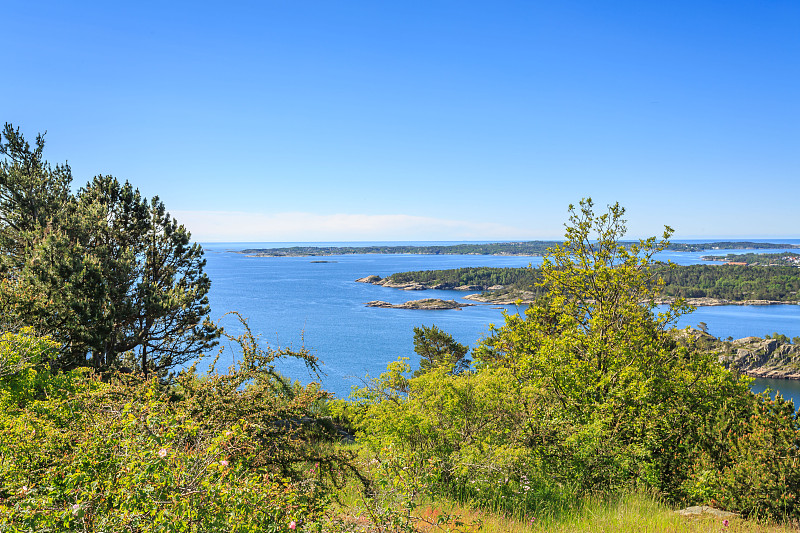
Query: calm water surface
(292, 301)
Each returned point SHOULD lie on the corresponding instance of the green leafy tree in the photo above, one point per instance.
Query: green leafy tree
(591, 390)
(596, 345)
(596, 324)
(107, 273)
(438, 348)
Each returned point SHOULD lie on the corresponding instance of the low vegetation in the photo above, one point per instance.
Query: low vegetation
(242, 450)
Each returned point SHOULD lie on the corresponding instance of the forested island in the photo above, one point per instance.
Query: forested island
(727, 245)
(701, 284)
(780, 259)
(531, 248)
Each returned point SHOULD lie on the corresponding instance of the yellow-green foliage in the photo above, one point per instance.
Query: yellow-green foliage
(586, 393)
(232, 452)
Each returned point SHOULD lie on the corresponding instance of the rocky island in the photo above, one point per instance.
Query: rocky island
(430, 304)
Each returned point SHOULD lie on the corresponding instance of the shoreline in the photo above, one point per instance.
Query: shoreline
(695, 302)
(534, 248)
(526, 298)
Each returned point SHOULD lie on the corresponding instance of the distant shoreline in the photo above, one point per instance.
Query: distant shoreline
(695, 302)
(522, 248)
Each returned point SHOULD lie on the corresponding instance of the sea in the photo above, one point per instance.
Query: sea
(316, 304)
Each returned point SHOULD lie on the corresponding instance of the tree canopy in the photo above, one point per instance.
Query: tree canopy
(438, 348)
(109, 274)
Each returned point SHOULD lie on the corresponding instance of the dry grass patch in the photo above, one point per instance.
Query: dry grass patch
(632, 514)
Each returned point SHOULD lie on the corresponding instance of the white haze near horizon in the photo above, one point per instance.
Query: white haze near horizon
(302, 227)
(237, 226)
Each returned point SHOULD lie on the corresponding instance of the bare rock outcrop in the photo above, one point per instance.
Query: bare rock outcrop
(425, 304)
(766, 358)
(421, 286)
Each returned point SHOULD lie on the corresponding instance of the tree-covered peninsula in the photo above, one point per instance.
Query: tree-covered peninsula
(524, 248)
(779, 259)
(702, 284)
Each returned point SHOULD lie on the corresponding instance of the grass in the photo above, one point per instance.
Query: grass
(635, 512)
(632, 513)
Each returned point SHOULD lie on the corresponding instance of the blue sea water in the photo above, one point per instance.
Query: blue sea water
(293, 302)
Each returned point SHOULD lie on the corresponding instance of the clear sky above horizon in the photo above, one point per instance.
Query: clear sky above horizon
(421, 120)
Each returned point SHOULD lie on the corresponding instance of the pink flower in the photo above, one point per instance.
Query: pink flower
(223, 462)
(725, 523)
(292, 525)
(75, 509)
(162, 452)
(24, 489)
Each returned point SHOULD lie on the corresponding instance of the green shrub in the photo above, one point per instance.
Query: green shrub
(753, 465)
(241, 451)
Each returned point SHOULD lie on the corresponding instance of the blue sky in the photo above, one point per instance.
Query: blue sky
(437, 120)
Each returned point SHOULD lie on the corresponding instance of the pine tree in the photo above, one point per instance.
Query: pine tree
(107, 273)
(437, 348)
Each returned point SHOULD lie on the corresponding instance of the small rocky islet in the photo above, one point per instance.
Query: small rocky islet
(430, 304)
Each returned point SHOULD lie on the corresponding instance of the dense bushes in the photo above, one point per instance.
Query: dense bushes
(588, 393)
(751, 461)
(241, 451)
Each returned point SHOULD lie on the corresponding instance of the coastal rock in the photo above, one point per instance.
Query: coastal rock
(763, 358)
(710, 302)
(775, 358)
(425, 304)
(421, 286)
(410, 286)
(512, 298)
(386, 282)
